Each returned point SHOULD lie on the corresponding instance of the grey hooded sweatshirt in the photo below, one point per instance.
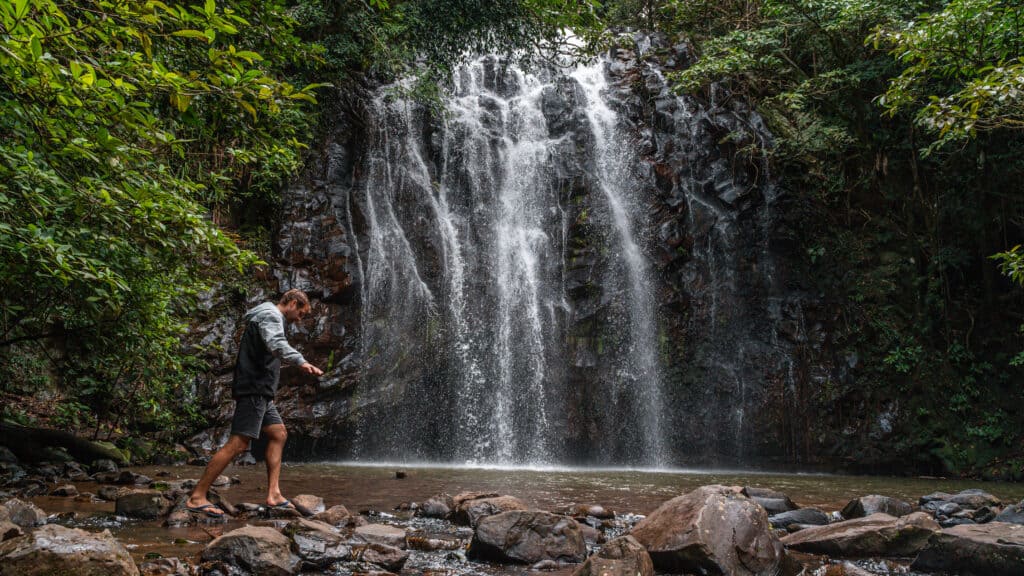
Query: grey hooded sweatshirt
(260, 352)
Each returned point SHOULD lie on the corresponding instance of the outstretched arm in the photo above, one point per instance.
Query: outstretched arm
(271, 328)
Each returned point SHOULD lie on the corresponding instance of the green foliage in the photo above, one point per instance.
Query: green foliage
(124, 123)
(964, 70)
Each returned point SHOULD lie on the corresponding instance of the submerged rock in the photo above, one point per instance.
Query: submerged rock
(55, 550)
(256, 549)
(528, 537)
(993, 549)
(623, 556)
(713, 529)
(874, 504)
(875, 535)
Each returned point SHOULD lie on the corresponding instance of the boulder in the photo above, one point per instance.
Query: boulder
(75, 471)
(381, 534)
(65, 491)
(934, 497)
(874, 504)
(623, 556)
(875, 535)
(387, 557)
(460, 498)
(713, 529)
(318, 544)
(24, 514)
(805, 516)
(334, 515)
(974, 498)
(470, 512)
(7, 456)
(439, 506)
(54, 549)
(254, 549)
(528, 537)
(1013, 514)
(146, 504)
(308, 504)
(993, 549)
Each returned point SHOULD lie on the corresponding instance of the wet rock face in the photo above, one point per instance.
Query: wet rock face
(993, 549)
(714, 530)
(523, 537)
(878, 535)
(54, 549)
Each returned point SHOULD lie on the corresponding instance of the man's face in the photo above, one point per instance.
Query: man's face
(295, 311)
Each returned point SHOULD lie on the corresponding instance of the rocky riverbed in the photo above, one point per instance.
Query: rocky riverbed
(98, 519)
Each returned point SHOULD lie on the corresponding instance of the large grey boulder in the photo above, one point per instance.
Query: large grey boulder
(623, 556)
(874, 504)
(387, 557)
(55, 550)
(528, 537)
(875, 535)
(712, 530)
(993, 549)
(255, 549)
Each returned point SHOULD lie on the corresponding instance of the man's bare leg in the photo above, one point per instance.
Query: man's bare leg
(235, 445)
(276, 436)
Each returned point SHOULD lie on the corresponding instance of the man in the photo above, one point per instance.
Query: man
(257, 371)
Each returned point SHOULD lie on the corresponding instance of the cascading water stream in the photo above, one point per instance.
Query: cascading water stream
(613, 163)
(464, 295)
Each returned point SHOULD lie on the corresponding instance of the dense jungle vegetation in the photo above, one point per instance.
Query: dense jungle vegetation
(135, 135)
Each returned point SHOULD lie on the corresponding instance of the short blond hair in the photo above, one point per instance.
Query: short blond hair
(295, 295)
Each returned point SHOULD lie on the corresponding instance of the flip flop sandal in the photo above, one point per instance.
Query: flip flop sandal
(286, 504)
(205, 509)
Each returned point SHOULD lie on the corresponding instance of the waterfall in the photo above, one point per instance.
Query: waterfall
(473, 218)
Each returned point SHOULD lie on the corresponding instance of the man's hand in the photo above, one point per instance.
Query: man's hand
(310, 369)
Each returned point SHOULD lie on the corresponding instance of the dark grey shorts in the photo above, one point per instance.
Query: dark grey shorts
(252, 414)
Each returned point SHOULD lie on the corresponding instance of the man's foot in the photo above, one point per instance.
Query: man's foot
(284, 503)
(203, 506)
